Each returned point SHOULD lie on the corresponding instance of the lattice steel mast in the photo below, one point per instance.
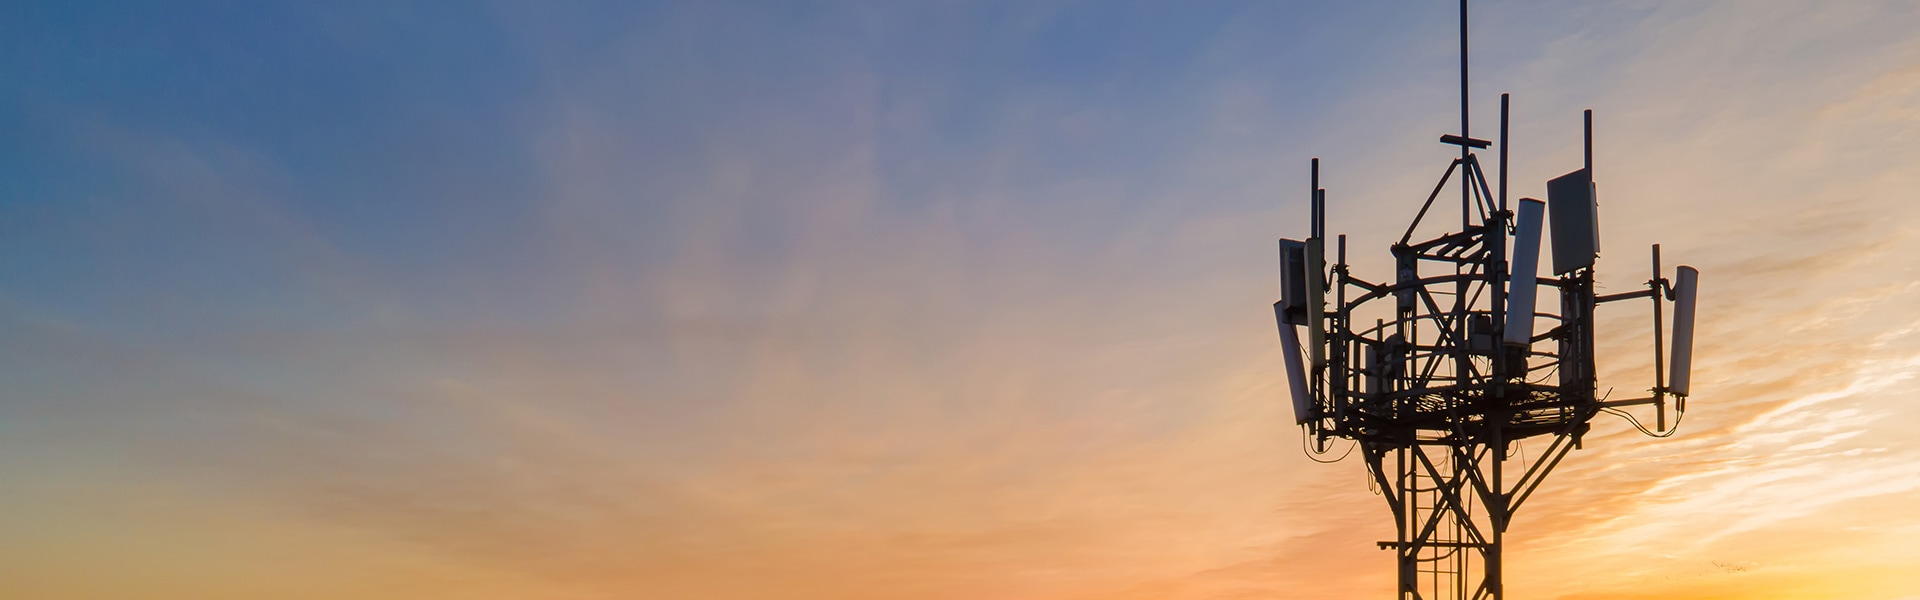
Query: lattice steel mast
(1451, 373)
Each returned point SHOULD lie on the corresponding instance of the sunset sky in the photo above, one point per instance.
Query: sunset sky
(889, 300)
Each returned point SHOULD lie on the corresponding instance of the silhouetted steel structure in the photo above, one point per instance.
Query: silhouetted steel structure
(1436, 373)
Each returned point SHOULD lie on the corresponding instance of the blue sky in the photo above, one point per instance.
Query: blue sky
(943, 300)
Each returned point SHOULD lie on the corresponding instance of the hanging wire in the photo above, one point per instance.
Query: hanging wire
(1311, 455)
(1677, 417)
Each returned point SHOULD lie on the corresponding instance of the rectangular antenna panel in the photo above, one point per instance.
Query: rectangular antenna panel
(1296, 370)
(1293, 282)
(1685, 287)
(1523, 281)
(1576, 221)
(1316, 317)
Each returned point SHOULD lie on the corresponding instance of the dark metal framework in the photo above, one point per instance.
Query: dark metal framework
(1420, 371)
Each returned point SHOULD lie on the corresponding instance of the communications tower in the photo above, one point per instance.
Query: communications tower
(1437, 371)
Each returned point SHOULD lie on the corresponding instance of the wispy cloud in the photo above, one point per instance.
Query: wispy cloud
(938, 302)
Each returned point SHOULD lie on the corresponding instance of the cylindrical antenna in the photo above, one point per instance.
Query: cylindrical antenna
(1685, 286)
(1523, 282)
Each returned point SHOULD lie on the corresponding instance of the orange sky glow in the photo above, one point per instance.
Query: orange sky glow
(864, 302)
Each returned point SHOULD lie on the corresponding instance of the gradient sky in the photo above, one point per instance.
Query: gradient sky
(874, 300)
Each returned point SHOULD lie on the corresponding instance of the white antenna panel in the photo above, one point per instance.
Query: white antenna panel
(1523, 285)
(1685, 287)
(1296, 369)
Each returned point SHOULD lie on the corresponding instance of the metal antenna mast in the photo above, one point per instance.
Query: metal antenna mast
(1437, 373)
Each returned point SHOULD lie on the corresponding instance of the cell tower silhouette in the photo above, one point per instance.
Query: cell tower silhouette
(1457, 363)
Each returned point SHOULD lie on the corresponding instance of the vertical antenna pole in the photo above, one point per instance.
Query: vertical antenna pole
(1589, 138)
(1320, 213)
(1497, 240)
(1588, 372)
(1342, 330)
(1316, 286)
(1461, 353)
(1503, 153)
(1466, 183)
(1313, 201)
(1659, 348)
(1463, 78)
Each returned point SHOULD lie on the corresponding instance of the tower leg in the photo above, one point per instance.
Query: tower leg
(1449, 518)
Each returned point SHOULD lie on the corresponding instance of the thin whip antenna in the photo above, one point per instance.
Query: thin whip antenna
(1466, 185)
